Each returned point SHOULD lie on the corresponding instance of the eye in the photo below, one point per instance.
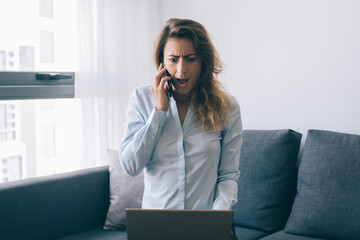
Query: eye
(191, 59)
(172, 59)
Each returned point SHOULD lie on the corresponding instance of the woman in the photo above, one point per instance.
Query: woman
(188, 144)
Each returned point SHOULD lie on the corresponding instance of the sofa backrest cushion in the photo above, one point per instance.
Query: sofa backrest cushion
(267, 182)
(125, 192)
(327, 204)
(54, 206)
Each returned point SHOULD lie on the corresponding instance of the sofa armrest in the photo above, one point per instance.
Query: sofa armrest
(54, 206)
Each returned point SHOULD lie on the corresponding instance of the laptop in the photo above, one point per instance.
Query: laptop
(166, 224)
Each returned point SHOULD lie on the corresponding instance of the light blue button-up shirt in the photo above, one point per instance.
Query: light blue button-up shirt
(185, 167)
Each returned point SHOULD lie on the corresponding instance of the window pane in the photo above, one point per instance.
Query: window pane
(39, 137)
(46, 47)
(26, 58)
(47, 141)
(46, 8)
(38, 35)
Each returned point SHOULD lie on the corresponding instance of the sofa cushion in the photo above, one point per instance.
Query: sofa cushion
(267, 179)
(244, 233)
(281, 235)
(96, 234)
(125, 192)
(327, 202)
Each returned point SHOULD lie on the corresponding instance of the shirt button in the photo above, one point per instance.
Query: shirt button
(152, 137)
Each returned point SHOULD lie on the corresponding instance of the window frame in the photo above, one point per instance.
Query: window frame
(17, 85)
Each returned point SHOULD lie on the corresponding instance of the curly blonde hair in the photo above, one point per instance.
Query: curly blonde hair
(212, 105)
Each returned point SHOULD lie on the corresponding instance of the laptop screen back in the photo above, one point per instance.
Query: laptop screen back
(178, 224)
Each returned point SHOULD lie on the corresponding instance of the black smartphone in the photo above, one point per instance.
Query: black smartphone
(170, 90)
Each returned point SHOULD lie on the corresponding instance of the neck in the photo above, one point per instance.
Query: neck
(181, 99)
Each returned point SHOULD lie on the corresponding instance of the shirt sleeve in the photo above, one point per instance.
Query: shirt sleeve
(228, 173)
(141, 134)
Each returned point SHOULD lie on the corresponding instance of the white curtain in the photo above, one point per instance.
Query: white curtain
(116, 43)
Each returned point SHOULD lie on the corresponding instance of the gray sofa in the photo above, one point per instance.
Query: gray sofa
(278, 197)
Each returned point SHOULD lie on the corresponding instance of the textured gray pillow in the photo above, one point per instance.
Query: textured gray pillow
(267, 182)
(327, 204)
(125, 192)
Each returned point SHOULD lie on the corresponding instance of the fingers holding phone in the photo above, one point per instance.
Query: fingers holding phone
(160, 89)
(169, 84)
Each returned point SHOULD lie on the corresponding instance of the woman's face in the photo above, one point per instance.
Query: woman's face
(183, 64)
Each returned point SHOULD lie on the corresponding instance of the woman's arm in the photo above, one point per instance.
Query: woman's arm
(228, 173)
(143, 126)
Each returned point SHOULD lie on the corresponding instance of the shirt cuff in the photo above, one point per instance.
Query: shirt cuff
(155, 122)
(157, 118)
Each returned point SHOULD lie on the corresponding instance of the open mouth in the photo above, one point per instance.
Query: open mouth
(182, 81)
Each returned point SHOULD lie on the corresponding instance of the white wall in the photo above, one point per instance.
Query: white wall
(290, 63)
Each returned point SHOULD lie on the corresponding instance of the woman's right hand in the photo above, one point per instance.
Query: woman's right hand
(159, 89)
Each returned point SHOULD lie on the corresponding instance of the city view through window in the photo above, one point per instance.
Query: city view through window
(39, 137)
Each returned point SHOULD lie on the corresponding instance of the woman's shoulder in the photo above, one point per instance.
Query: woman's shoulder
(142, 96)
(234, 104)
(144, 90)
(235, 112)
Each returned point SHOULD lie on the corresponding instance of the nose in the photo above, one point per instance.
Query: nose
(181, 67)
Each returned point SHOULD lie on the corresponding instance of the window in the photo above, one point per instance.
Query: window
(11, 169)
(40, 120)
(48, 141)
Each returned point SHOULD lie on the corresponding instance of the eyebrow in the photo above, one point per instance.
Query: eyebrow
(188, 55)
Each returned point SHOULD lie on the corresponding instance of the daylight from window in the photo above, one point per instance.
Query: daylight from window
(39, 137)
